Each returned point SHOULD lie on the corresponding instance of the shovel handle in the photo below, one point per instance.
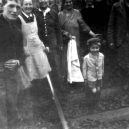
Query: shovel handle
(59, 109)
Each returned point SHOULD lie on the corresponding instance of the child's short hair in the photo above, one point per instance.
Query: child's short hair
(92, 41)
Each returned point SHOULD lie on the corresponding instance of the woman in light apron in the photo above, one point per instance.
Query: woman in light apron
(36, 62)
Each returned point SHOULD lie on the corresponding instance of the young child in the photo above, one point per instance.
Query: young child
(93, 70)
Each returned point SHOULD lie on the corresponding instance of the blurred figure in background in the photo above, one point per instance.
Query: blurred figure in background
(118, 39)
(89, 3)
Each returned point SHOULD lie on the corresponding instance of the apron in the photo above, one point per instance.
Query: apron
(36, 62)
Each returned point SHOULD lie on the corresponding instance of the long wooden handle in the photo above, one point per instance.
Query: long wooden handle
(59, 109)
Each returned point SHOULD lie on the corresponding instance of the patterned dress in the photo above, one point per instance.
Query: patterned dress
(72, 22)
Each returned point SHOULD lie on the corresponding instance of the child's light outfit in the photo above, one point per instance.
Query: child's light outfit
(36, 62)
(93, 69)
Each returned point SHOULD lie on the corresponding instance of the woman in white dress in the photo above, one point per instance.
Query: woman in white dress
(36, 62)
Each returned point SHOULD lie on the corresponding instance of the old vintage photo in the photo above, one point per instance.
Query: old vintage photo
(64, 64)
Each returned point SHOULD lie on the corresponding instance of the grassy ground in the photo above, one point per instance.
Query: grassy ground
(38, 109)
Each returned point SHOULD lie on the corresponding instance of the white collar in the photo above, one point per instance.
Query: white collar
(27, 16)
(46, 11)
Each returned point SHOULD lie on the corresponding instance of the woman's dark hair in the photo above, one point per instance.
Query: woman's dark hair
(63, 4)
(22, 1)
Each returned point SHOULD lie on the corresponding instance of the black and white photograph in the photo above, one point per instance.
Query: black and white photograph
(64, 64)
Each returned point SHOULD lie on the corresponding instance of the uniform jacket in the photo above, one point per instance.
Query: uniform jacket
(118, 26)
(49, 28)
(11, 45)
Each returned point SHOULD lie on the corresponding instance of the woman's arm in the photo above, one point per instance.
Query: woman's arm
(83, 25)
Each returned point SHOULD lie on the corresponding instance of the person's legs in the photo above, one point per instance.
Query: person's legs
(92, 85)
(57, 60)
(3, 111)
(90, 96)
(11, 99)
(57, 69)
(64, 62)
(99, 85)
